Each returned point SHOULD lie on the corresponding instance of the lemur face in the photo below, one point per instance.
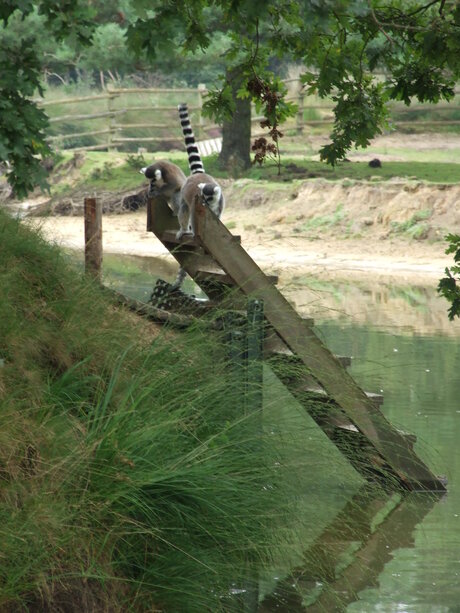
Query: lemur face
(211, 193)
(155, 176)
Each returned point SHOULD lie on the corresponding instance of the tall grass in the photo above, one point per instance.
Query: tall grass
(130, 476)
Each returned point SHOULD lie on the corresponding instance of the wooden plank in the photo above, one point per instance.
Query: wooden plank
(293, 359)
(170, 237)
(155, 126)
(153, 90)
(88, 148)
(144, 139)
(43, 103)
(213, 277)
(83, 117)
(221, 277)
(77, 134)
(149, 107)
(411, 472)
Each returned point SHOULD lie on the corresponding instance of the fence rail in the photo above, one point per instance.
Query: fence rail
(121, 117)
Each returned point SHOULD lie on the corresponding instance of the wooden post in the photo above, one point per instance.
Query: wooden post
(238, 363)
(112, 120)
(245, 355)
(201, 90)
(93, 237)
(254, 403)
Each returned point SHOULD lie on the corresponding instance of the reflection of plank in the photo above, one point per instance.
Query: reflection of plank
(351, 529)
(395, 532)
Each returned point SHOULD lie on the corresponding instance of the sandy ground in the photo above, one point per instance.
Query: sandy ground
(314, 227)
(333, 246)
(126, 234)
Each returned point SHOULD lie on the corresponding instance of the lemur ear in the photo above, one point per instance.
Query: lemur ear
(142, 170)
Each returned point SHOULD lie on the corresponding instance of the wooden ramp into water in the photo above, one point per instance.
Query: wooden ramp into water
(215, 259)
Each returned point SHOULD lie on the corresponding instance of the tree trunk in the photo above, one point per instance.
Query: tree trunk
(236, 133)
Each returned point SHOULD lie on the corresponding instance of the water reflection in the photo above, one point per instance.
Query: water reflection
(351, 552)
(135, 276)
(384, 302)
(379, 553)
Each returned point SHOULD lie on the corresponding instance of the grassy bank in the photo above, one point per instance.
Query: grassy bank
(130, 480)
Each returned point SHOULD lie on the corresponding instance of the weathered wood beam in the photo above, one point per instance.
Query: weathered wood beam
(410, 471)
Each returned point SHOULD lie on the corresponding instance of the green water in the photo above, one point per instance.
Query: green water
(419, 376)
(413, 561)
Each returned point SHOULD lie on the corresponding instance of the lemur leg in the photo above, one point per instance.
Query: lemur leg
(184, 220)
(175, 203)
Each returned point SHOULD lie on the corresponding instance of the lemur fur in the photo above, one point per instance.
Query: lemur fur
(199, 183)
(166, 180)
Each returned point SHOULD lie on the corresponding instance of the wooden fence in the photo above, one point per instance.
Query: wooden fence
(128, 118)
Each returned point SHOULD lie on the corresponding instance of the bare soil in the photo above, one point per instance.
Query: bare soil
(371, 253)
(393, 227)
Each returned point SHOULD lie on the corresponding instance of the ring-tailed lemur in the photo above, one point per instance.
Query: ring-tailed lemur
(166, 179)
(199, 183)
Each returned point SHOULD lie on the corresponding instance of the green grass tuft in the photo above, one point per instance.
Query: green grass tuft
(413, 227)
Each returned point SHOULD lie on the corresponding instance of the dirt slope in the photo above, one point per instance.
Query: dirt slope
(395, 226)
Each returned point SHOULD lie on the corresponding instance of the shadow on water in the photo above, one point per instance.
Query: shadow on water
(380, 552)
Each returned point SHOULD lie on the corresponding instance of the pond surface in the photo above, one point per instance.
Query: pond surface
(404, 347)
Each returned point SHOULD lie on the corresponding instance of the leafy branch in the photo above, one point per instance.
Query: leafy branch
(449, 286)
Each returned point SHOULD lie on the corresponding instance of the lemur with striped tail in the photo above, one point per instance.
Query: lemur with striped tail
(199, 183)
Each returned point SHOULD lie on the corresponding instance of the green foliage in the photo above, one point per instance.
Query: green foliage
(360, 114)
(22, 133)
(326, 221)
(103, 174)
(108, 51)
(136, 161)
(449, 286)
(416, 44)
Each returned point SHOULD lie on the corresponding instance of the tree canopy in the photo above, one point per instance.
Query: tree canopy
(415, 44)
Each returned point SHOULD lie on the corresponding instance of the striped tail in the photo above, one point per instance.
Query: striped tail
(194, 159)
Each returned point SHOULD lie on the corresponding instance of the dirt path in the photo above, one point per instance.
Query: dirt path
(284, 255)
(349, 227)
